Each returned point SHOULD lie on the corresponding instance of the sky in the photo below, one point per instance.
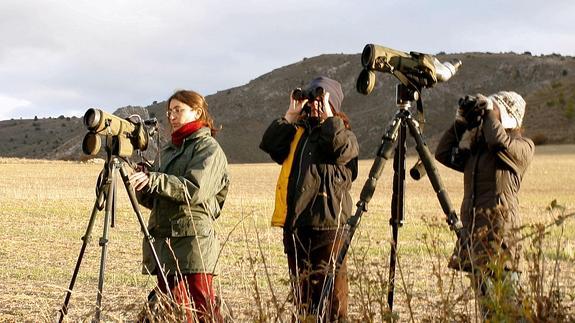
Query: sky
(61, 57)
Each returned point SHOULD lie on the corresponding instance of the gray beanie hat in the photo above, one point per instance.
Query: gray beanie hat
(331, 86)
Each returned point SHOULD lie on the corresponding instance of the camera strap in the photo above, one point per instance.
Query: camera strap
(420, 114)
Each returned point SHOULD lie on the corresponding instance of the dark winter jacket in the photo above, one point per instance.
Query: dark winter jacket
(324, 166)
(493, 169)
(186, 193)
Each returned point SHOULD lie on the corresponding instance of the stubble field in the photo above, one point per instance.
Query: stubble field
(45, 208)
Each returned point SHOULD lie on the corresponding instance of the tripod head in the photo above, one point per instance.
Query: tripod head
(404, 95)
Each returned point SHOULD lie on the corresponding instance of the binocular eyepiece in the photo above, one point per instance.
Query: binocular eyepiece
(470, 110)
(309, 94)
(467, 103)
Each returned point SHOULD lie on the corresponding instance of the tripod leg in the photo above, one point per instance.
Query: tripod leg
(86, 239)
(103, 242)
(384, 153)
(397, 208)
(427, 160)
(144, 228)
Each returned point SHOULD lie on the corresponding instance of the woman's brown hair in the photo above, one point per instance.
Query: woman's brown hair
(345, 119)
(197, 102)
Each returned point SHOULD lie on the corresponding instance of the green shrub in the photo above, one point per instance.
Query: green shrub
(570, 110)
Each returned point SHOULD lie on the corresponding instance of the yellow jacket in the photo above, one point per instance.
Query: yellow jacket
(280, 210)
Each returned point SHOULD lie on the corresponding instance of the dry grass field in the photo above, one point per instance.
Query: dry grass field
(45, 207)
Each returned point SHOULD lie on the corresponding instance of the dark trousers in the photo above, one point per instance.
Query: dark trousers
(196, 292)
(311, 255)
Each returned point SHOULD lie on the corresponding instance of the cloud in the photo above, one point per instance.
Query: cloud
(9, 104)
(70, 55)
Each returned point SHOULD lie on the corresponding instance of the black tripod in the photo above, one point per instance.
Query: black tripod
(396, 132)
(106, 197)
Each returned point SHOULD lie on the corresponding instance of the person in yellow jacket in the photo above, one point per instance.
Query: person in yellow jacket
(318, 152)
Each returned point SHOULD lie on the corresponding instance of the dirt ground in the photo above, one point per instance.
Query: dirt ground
(46, 207)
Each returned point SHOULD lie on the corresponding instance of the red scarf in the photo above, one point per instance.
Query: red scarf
(189, 128)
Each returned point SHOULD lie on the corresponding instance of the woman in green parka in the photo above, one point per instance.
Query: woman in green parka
(185, 190)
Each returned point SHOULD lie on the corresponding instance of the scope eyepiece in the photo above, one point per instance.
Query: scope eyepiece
(446, 70)
(151, 122)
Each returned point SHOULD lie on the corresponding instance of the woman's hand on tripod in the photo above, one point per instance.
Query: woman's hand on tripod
(139, 180)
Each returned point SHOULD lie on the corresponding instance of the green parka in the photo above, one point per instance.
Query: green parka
(186, 193)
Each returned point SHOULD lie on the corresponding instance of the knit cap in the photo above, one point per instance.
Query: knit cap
(331, 86)
(511, 107)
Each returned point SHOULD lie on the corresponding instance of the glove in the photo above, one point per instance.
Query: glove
(468, 112)
(472, 109)
(460, 117)
(474, 117)
(483, 102)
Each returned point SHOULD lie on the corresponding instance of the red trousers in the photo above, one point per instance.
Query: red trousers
(195, 291)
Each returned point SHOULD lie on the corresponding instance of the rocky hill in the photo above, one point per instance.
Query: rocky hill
(546, 82)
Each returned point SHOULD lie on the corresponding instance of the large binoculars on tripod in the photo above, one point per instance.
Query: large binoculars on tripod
(126, 135)
(415, 69)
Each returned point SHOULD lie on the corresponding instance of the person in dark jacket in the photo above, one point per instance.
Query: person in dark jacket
(318, 152)
(493, 166)
(185, 190)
